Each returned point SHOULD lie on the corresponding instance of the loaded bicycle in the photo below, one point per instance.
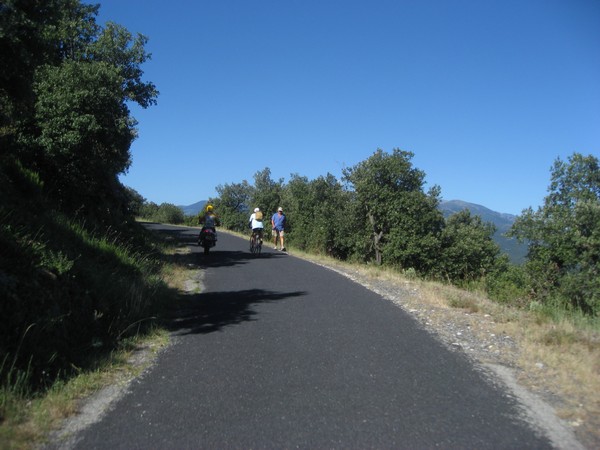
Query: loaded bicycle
(256, 240)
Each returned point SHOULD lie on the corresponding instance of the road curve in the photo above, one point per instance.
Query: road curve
(277, 352)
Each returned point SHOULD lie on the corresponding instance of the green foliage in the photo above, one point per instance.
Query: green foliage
(403, 222)
(266, 193)
(34, 33)
(148, 210)
(64, 84)
(75, 270)
(135, 201)
(67, 290)
(232, 205)
(564, 237)
(169, 213)
(163, 213)
(507, 283)
(382, 213)
(85, 128)
(117, 47)
(300, 214)
(319, 216)
(468, 250)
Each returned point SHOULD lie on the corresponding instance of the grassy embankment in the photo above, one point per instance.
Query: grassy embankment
(79, 298)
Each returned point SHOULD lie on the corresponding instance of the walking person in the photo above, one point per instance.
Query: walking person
(278, 224)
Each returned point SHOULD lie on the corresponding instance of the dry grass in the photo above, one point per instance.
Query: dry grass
(559, 359)
(175, 275)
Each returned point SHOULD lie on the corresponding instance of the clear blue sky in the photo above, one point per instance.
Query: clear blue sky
(486, 94)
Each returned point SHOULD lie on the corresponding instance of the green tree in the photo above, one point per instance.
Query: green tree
(564, 237)
(403, 222)
(149, 210)
(169, 213)
(232, 205)
(299, 210)
(33, 33)
(468, 251)
(135, 201)
(315, 213)
(119, 48)
(335, 220)
(85, 128)
(267, 193)
(63, 93)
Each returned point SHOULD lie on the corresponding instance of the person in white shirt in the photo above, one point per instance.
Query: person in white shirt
(256, 223)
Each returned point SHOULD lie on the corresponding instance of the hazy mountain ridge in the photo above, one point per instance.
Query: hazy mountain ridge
(193, 209)
(502, 220)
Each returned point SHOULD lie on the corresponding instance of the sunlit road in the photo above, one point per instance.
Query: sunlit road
(277, 352)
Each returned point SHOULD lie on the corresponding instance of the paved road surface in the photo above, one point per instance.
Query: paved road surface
(281, 353)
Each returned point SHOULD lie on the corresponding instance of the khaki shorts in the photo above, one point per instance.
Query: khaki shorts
(277, 233)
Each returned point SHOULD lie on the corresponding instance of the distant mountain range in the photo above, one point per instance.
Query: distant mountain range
(194, 209)
(503, 222)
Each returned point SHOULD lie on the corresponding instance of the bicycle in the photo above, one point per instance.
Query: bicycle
(256, 241)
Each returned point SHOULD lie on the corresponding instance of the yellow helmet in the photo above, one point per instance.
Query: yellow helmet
(209, 208)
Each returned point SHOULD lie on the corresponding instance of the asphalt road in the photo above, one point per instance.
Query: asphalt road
(277, 352)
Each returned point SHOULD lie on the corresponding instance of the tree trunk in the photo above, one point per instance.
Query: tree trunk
(377, 235)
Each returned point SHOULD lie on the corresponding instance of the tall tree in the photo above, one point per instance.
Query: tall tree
(232, 205)
(30, 33)
(317, 214)
(64, 91)
(85, 128)
(468, 250)
(299, 210)
(403, 222)
(267, 193)
(335, 220)
(564, 236)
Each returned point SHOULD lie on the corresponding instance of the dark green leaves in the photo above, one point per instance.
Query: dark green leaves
(564, 236)
(402, 220)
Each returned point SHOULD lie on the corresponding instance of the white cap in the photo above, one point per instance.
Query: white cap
(280, 209)
(256, 209)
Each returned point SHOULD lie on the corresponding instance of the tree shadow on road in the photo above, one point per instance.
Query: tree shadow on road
(227, 258)
(211, 311)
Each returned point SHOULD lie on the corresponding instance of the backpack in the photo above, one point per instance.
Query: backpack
(258, 216)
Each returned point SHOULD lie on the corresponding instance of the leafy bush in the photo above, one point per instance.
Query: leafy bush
(168, 213)
(67, 290)
(163, 213)
(468, 251)
(507, 284)
(564, 237)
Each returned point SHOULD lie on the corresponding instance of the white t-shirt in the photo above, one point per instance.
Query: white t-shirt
(256, 223)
